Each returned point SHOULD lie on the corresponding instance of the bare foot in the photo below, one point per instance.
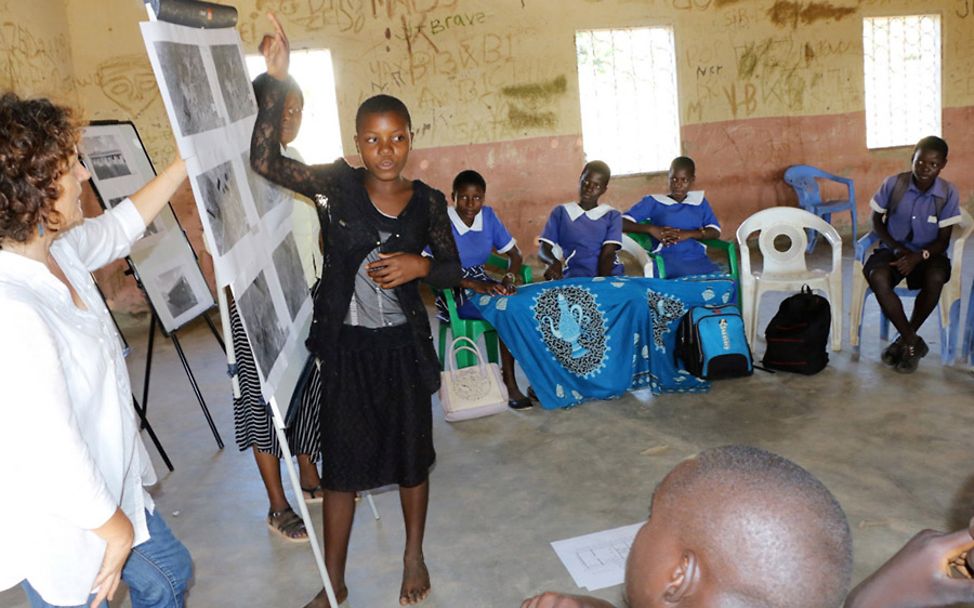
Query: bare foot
(321, 600)
(415, 581)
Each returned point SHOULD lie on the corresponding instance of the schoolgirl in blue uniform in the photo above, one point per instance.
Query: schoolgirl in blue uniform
(678, 220)
(478, 232)
(589, 234)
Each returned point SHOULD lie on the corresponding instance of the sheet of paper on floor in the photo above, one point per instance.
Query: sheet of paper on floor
(597, 560)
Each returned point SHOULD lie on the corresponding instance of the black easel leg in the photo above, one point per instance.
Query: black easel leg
(152, 434)
(196, 388)
(148, 362)
(216, 332)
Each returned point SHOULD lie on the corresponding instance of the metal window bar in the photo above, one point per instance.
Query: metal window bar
(902, 77)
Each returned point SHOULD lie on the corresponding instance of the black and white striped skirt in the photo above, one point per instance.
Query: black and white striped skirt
(253, 424)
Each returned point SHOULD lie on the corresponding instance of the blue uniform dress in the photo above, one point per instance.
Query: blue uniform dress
(914, 221)
(687, 257)
(581, 235)
(475, 244)
(916, 224)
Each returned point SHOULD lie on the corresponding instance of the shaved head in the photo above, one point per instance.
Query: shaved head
(755, 529)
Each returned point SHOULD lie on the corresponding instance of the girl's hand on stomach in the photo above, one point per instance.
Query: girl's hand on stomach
(395, 269)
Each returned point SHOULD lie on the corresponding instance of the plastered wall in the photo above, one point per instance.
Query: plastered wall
(492, 85)
(35, 49)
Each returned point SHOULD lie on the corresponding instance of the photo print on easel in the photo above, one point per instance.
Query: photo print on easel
(106, 157)
(163, 259)
(287, 262)
(259, 316)
(188, 87)
(238, 93)
(224, 206)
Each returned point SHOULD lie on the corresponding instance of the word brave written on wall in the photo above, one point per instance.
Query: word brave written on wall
(437, 57)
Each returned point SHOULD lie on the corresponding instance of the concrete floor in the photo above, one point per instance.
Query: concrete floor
(895, 450)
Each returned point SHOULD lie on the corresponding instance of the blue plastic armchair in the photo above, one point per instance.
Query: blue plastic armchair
(802, 179)
(950, 297)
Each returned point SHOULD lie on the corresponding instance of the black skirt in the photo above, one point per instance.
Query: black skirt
(376, 414)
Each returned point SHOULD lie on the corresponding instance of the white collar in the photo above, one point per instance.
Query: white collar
(461, 226)
(694, 198)
(575, 211)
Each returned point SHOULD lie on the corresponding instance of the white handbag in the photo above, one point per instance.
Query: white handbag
(471, 392)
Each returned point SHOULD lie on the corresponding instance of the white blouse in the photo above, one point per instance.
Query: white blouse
(70, 449)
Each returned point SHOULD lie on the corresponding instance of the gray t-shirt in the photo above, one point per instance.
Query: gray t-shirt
(371, 306)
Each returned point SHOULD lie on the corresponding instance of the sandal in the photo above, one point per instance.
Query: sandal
(313, 496)
(288, 525)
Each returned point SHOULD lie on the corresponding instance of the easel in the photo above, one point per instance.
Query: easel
(171, 333)
(150, 344)
(139, 410)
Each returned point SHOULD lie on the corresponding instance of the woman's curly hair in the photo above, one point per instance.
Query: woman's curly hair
(37, 140)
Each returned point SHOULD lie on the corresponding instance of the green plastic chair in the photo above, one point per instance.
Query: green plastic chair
(728, 247)
(472, 328)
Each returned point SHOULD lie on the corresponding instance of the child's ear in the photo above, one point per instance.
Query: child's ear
(685, 579)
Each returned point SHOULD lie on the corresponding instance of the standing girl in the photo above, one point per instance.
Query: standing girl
(370, 329)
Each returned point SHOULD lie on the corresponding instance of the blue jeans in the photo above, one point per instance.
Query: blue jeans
(157, 571)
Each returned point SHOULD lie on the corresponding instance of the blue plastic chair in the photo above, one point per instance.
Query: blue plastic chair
(968, 345)
(949, 305)
(802, 179)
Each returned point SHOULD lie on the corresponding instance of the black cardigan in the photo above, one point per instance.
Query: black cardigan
(349, 229)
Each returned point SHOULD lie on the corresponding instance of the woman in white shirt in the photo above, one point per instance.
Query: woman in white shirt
(75, 518)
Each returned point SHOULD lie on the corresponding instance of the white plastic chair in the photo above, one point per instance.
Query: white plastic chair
(639, 254)
(786, 270)
(949, 305)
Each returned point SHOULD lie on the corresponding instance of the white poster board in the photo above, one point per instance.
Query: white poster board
(208, 95)
(163, 258)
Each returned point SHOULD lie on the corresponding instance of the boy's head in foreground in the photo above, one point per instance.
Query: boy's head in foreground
(739, 527)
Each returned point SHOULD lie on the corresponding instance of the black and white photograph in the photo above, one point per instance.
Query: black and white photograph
(267, 195)
(238, 93)
(266, 335)
(224, 208)
(105, 156)
(287, 262)
(179, 294)
(188, 86)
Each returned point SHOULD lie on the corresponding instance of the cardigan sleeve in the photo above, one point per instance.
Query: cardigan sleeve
(265, 148)
(445, 265)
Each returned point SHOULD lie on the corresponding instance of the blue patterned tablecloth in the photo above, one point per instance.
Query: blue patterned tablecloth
(581, 339)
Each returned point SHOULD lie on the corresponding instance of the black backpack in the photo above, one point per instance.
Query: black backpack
(798, 334)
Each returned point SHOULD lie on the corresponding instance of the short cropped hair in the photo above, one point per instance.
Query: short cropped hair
(932, 143)
(39, 138)
(597, 166)
(380, 104)
(471, 178)
(684, 162)
(774, 519)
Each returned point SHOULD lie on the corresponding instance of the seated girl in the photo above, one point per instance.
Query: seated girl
(478, 232)
(678, 221)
